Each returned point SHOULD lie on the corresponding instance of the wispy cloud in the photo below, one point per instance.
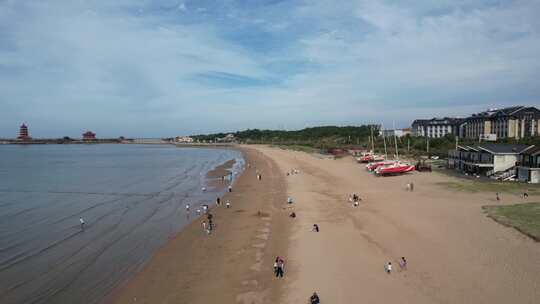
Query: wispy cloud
(152, 68)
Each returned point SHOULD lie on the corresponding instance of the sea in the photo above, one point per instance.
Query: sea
(132, 199)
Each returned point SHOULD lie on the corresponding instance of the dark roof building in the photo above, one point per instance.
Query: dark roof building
(511, 122)
(437, 127)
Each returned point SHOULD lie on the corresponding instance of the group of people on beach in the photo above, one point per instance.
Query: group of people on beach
(354, 199)
(402, 265)
(293, 172)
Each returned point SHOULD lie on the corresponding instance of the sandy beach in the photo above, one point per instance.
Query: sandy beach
(455, 253)
(234, 263)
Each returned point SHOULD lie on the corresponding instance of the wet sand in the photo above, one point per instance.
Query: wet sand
(222, 170)
(234, 263)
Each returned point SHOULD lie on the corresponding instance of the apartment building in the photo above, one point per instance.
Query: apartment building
(512, 122)
(437, 127)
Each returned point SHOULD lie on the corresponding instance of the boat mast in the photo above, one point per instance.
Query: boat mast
(395, 140)
(384, 140)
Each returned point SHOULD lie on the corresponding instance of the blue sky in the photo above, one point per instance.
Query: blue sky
(166, 67)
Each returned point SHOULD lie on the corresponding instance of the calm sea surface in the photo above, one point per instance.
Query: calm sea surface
(132, 198)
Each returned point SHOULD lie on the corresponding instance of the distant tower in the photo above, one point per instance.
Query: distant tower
(23, 133)
(89, 136)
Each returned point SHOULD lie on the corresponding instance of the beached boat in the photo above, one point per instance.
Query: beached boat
(376, 164)
(395, 168)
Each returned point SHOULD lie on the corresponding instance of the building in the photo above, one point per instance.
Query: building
(228, 138)
(437, 127)
(512, 122)
(395, 132)
(489, 159)
(183, 139)
(528, 169)
(88, 136)
(23, 133)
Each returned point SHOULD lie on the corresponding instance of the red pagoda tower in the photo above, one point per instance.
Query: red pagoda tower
(23, 133)
(89, 136)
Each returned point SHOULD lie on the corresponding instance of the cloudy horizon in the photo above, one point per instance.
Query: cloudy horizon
(164, 68)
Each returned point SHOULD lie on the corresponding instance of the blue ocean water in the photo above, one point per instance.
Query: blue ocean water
(132, 199)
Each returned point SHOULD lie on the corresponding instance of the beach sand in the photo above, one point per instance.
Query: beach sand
(234, 263)
(455, 253)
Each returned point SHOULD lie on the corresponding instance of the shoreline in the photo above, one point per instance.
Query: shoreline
(235, 261)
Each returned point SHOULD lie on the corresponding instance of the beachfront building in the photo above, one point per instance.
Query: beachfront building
(528, 167)
(23, 133)
(183, 139)
(89, 136)
(512, 122)
(437, 127)
(494, 160)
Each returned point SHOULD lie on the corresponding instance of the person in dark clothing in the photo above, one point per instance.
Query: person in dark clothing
(315, 227)
(314, 299)
(218, 201)
(293, 215)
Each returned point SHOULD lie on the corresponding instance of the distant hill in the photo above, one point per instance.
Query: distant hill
(316, 136)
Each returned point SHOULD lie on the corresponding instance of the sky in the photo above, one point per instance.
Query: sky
(156, 68)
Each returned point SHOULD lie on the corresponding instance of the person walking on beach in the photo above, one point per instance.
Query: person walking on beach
(279, 266)
(403, 263)
(81, 220)
(228, 204)
(388, 267)
(289, 200)
(198, 211)
(230, 188)
(412, 186)
(497, 197)
(204, 226)
(218, 201)
(187, 207)
(526, 194)
(315, 227)
(314, 299)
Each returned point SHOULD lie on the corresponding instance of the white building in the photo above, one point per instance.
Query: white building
(183, 139)
(437, 127)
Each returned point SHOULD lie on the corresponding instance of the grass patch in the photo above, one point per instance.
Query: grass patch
(523, 217)
(491, 186)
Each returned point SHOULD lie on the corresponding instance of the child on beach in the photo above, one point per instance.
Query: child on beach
(81, 220)
(388, 267)
(403, 263)
(315, 228)
(228, 204)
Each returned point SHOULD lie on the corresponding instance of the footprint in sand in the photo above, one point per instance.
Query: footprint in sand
(256, 266)
(263, 236)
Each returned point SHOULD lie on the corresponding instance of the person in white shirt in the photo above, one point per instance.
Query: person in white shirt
(81, 220)
(388, 267)
(228, 204)
(187, 207)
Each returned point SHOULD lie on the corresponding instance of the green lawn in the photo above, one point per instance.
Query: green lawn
(489, 186)
(523, 217)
